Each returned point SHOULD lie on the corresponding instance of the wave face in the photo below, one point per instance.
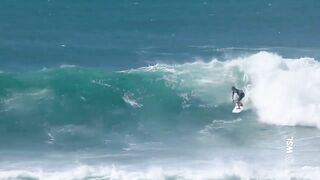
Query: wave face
(51, 104)
(155, 119)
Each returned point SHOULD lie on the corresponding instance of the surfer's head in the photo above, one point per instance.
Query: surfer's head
(233, 88)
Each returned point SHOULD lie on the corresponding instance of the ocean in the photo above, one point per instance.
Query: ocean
(123, 89)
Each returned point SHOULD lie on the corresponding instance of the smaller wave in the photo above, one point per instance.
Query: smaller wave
(237, 170)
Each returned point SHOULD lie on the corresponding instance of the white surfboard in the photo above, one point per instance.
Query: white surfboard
(237, 109)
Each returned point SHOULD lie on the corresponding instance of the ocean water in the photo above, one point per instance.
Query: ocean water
(123, 89)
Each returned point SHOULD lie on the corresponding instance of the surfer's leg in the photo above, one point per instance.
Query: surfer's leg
(239, 100)
(238, 104)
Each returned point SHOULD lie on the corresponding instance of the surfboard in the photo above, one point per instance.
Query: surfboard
(237, 109)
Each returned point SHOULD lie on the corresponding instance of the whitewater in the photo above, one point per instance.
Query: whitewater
(163, 121)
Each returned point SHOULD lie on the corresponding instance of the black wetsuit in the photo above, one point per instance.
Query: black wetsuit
(239, 92)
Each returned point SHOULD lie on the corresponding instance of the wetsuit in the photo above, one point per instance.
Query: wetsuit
(240, 95)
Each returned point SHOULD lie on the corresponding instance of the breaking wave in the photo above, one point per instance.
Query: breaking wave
(56, 106)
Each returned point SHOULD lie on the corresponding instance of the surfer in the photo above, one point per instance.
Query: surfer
(237, 96)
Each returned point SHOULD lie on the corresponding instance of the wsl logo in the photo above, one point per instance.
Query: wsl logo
(289, 145)
(289, 150)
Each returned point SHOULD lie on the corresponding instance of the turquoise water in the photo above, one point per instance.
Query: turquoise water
(141, 90)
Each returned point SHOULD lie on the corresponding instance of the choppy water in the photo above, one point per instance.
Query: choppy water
(141, 90)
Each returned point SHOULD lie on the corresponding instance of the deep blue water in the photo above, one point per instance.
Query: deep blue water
(121, 34)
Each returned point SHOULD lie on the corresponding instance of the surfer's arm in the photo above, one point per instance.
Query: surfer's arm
(232, 96)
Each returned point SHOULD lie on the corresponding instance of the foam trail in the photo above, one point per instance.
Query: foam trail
(130, 101)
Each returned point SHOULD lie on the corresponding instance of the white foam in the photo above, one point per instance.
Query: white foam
(153, 68)
(284, 91)
(237, 170)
